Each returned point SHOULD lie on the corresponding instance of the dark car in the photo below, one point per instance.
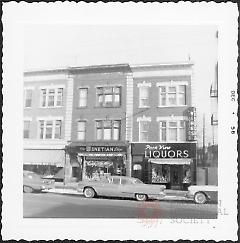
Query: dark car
(34, 182)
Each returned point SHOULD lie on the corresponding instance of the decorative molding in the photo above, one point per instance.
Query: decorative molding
(52, 86)
(49, 118)
(172, 83)
(171, 118)
(161, 73)
(35, 78)
(144, 118)
(144, 84)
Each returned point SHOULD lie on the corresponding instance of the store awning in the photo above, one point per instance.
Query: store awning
(100, 154)
(44, 157)
(171, 161)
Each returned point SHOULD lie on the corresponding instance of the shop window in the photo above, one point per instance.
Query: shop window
(172, 131)
(108, 130)
(26, 129)
(81, 130)
(83, 93)
(137, 167)
(160, 173)
(51, 97)
(172, 95)
(143, 96)
(50, 129)
(108, 96)
(143, 131)
(28, 98)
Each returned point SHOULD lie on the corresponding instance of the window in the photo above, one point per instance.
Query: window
(172, 95)
(144, 96)
(143, 131)
(83, 97)
(108, 96)
(52, 97)
(50, 129)
(108, 130)
(28, 98)
(26, 129)
(116, 180)
(81, 130)
(125, 181)
(172, 131)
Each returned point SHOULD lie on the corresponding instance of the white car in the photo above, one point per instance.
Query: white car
(202, 193)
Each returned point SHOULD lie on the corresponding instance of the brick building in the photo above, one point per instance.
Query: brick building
(163, 126)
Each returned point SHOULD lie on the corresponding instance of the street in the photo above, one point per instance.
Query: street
(50, 205)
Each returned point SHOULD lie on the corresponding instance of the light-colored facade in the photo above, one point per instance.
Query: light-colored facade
(47, 115)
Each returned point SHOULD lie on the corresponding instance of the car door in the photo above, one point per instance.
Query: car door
(112, 188)
(127, 188)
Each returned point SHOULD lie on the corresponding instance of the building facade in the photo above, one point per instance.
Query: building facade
(98, 140)
(47, 119)
(163, 126)
(112, 120)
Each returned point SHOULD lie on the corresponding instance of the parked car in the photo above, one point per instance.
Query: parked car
(34, 182)
(121, 186)
(202, 194)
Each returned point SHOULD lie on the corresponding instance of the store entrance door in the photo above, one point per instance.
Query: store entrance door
(176, 176)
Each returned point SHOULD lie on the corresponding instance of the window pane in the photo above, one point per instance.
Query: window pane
(99, 134)
(173, 134)
(108, 90)
(43, 97)
(26, 128)
(116, 180)
(116, 123)
(83, 97)
(107, 124)
(144, 92)
(28, 98)
(172, 99)
(144, 136)
(182, 88)
(182, 134)
(100, 99)
(163, 124)
(107, 134)
(58, 129)
(41, 124)
(172, 124)
(49, 128)
(98, 123)
(117, 90)
(116, 134)
(164, 134)
(59, 97)
(162, 89)
(117, 99)
(144, 126)
(99, 90)
(163, 99)
(181, 99)
(172, 89)
(108, 98)
(51, 94)
(81, 126)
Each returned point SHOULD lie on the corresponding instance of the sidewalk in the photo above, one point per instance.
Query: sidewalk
(71, 189)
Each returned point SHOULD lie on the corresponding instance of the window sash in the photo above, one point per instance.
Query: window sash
(51, 97)
(143, 131)
(143, 96)
(83, 93)
(28, 98)
(108, 130)
(26, 129)
(81, 132)
(50, 129)
(108, 96)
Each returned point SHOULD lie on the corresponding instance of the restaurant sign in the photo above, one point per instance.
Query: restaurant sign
(165, 150)
(102, 149)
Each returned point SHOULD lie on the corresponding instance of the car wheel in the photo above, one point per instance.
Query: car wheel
(27, 189)
(89, 192)
(200, 198)
(141, 197)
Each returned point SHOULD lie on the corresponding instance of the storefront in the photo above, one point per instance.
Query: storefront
(93, 161)
(170, 164)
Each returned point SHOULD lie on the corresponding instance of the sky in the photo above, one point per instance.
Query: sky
(62, 45)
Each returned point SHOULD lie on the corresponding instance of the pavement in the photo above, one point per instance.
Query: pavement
(71, 189)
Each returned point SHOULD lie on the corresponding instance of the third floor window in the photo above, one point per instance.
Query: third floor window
(83, 92)
(28, 98)
(108, 96)
(52, 97)
(108, 130)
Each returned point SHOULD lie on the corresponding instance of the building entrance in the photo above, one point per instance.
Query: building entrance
(176, 176)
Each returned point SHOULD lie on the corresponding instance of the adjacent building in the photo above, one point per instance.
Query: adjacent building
(47, 119)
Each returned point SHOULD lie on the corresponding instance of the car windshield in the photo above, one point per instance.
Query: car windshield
(33, 176)
(137, 181)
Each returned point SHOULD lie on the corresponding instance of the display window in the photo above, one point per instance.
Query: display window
(160, 173)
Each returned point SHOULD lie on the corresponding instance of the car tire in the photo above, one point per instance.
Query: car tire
(27, 189)
(200, 198)
(141, 197)
(89, 192)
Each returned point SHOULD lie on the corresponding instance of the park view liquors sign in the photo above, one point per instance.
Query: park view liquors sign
(165, 151)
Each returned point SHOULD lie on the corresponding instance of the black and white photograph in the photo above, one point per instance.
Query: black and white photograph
(122, 122)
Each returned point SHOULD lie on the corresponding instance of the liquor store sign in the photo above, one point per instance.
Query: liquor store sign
(166, 150)
(102, 149)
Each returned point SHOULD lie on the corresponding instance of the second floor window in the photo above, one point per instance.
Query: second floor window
(143, 96)
(108, 130)
(108, 96)
(28, 98)
(81, 130)
(83, 97)
(50, 129)
(143, 131)
(172, 95)
(172, 131)
(26, 129)
(52, 97)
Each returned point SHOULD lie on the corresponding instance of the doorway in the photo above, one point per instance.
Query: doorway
(176, 176)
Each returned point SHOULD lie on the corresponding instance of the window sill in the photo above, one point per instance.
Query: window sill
(103, 107)
(143, 107)
(50, 107)
(169, 106)
(27, 108)
(81, 107)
